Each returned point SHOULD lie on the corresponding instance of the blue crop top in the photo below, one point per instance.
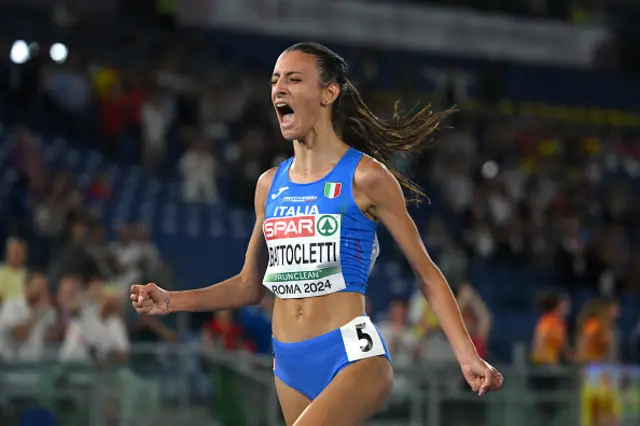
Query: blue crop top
(319, 240)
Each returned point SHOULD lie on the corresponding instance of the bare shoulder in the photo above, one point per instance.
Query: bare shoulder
(266, 178)
(371, 176)
(375, 188)
(263, 186)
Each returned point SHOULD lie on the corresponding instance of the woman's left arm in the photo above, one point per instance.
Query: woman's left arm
(387, 203)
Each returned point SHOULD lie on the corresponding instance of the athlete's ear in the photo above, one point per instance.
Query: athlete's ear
(330, 93)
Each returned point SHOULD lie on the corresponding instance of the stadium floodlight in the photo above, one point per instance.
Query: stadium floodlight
(58, 53)
(19, 52)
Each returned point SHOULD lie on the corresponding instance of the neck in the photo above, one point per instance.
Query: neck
(317, 151)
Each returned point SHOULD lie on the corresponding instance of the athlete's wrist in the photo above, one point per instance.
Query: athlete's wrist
(467, 354)
(180, 301)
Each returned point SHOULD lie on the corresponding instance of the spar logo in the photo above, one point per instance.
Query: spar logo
(289, 227)
(327, 225)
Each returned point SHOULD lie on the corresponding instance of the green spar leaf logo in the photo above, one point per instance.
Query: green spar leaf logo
(327, 225)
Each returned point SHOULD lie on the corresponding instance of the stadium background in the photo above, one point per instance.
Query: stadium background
(132, 136)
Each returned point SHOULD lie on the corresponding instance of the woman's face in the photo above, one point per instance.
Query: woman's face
(296, 94)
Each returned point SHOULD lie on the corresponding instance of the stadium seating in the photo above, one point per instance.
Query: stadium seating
(206, 244)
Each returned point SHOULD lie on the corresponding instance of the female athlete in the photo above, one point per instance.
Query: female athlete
(317, 213)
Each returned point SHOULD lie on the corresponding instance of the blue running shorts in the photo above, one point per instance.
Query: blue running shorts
(310, 365)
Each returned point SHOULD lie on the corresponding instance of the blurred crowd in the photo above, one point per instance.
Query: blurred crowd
(557, 198)
(74, 305)
(563, 198)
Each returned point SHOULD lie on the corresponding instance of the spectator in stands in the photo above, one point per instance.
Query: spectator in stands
(213, 113)
(69, 89)
(25, 322)
(127, 254)
(93, 295)
(151, 329)
(133, 99)
(72, 258)
(50, 213)
(100, 252)
(28, 159)
(457, 186)
(605, 259)
(199, 168)
(105, 77)
(550, 341)
(99, 190)
(477, 317)
(401, 342)
(13, 272)
(65, 195)
(149, 253)
(475, 313)
(597, 332)
(436, 236)
(224, 333)
(68, 304)
(113, 121)
(156, 117)
(550, 347)
(451, 258)
(100, 337)
(500, 206)
(570, 263)
(432, 343)
(480, 239)
(246, 161)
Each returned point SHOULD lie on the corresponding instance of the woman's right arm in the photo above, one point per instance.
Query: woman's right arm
(246, 287)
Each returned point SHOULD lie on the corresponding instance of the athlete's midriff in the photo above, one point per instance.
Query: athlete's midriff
(295, 320)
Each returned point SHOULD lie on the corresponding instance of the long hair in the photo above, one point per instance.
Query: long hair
(358, 127)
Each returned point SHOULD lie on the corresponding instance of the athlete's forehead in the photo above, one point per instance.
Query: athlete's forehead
(295, 62)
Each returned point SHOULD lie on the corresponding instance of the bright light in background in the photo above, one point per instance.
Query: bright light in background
(19, 52)
(490, 170)
(58, 52)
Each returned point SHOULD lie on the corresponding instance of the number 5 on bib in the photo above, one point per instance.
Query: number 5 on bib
(361, 339)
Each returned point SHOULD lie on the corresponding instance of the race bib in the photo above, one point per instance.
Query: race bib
(304, 255)
(361, 339)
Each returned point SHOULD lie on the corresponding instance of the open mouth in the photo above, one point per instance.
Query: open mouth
(285, 113)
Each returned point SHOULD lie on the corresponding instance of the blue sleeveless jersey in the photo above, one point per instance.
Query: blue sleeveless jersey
(318, 239)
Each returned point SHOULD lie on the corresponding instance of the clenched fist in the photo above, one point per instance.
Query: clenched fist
(149, 299)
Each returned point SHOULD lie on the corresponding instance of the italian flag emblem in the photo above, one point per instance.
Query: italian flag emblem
(332, 189)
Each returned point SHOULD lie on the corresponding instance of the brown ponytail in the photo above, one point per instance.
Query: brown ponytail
(380, 139)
